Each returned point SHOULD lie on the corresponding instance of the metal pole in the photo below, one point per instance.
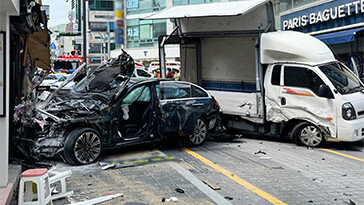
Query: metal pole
(101, 50)
(79, 15)
(84, 31)
(162, 57)
(108, 39)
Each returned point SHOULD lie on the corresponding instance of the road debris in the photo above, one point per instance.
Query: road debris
(260, 152)
(98, 200)
(135, 162)
(179, 190)
(351, 202)
(174, 199)
(211, 185)
(108, 166)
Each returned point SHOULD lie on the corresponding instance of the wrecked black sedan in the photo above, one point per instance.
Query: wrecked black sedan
(108, 109)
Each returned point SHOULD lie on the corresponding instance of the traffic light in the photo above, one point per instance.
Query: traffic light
(60, 46)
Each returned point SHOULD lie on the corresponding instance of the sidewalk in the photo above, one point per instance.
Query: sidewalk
(8, 193)
(145, 184)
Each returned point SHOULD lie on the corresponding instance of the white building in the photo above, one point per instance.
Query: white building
(7, 8)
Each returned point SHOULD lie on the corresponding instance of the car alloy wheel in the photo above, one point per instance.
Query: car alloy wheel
(87, 147)
(310, 136)
(199, 133)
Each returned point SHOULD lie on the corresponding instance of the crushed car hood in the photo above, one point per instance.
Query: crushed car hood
(42, 125)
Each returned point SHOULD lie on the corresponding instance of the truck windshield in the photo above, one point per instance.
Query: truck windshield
(344, 81)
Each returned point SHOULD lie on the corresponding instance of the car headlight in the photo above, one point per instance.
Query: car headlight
(348, 111)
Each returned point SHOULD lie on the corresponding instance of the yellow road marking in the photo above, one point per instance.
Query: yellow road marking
(235, 178)
(342, 154)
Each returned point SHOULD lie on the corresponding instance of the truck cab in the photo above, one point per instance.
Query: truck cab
(308, 86)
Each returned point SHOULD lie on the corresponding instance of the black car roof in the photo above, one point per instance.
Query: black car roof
(134, 80)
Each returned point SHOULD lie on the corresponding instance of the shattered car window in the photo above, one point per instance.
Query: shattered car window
(197, 92)
(157, 87)
(172, 90)
(141, 94)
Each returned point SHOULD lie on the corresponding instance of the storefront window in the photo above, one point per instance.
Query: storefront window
(144, 6)
(98, 26)
(185, 2)
(96, 47)
(284, 5)
(144, 33)
(98, 5)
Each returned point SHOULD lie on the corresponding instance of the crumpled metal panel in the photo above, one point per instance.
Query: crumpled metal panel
(303, 108)
(180, 116)
(41, 131)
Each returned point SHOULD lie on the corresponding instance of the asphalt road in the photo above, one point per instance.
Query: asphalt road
(249, 170)
(262, 170)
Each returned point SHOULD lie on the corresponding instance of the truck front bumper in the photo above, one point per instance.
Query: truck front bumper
(350, 131)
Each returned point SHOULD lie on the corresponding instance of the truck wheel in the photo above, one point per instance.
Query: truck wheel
(307, 134)
(82, 146)
(199, 133)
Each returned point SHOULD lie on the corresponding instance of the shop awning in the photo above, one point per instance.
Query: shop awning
(339, 37)
(207, 10)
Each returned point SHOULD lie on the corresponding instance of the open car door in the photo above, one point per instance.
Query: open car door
(138, 118)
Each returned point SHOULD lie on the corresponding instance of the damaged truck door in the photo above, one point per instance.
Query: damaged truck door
(298, 97)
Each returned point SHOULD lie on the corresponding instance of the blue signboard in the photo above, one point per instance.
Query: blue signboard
(336, 13)
(119, 40)
(53, 46)
(119, 32)
(132, 4)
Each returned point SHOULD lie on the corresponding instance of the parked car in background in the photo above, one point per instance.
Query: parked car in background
(139, 65)
(50, 79)
(153, 66)
(169, 64)
(140, 72)
(60, 81)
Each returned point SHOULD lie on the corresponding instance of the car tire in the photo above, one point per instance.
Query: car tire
(82, 146)
(307, 134)
(199, 133)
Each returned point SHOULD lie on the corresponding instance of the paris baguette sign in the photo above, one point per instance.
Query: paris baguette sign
(331, 10)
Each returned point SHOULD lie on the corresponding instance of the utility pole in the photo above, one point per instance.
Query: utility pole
(84, 31)
(108, 39)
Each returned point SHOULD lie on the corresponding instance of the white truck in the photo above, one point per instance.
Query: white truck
(266, 81)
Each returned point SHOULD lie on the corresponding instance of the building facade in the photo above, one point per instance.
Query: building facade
(338, 23)
(100, 20)
(142, 35)
(8, 8)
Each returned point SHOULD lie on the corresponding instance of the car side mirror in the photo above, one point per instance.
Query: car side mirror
(325, 92)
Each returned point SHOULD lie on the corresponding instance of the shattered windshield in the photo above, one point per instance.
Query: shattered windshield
(342, 79)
